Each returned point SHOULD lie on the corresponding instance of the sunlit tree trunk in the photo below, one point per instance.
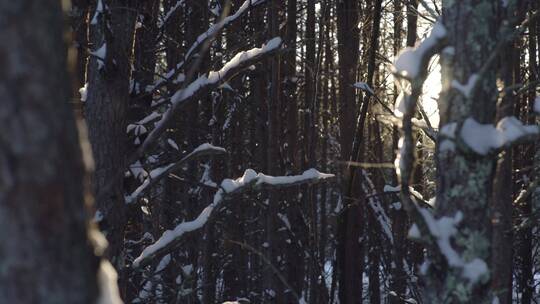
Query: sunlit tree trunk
(465, 180)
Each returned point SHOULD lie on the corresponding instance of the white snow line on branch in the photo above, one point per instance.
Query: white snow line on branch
(158, 173)
(214, 79)
(211, 32)
(249, 180)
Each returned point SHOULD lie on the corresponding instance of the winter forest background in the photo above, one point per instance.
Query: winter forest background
(269, 151)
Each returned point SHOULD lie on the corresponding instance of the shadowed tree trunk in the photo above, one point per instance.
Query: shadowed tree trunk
(349, 257)
(111, 34)
(45, 254)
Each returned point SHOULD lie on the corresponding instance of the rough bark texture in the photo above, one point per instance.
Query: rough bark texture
(464, 181)
(106, 113)
(45, 255)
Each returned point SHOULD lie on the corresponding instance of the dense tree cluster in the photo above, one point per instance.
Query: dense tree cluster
(270, 151)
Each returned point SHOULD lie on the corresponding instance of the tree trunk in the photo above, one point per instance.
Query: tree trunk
(106, 113)
(45, 252)
(465, 180)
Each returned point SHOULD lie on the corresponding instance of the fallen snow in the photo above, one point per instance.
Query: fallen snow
(409, 61)
(482, 138)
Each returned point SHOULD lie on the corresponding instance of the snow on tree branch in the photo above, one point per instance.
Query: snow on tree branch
(443, 229)
(412, 64)
(485, 138)
(204, 37)
(208, 82)
(411, 61)
(249, 181)
(214, 29)
(158, 173)
(170, 12)
(196, 89)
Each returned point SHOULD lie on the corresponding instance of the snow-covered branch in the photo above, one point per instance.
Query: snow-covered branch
(470, 135)
(205, 83)
(486, 138)
(157, 174)
(412, 64)
(192, 92)
(210, 34)
(249, 181)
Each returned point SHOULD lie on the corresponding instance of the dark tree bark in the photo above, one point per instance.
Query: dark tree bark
(106, 112)
(350, 261)
(46, 256)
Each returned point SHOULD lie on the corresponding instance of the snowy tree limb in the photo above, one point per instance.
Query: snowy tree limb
(206, 38)
(159, 173)
(204, 84)
(196, 89)
(412, 65)
(249, 181)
